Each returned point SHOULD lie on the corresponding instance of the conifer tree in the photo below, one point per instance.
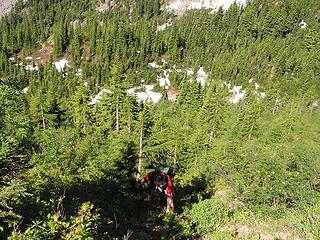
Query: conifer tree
(78, 110)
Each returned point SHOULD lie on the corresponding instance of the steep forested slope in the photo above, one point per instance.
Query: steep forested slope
(91, 92)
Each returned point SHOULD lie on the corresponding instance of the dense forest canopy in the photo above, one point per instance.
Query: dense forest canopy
(92, 93)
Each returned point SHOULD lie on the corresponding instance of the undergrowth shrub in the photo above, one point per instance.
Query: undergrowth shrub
(10, 201)
(58, 226)
(208, 215)
(307, 221)
(277, 174)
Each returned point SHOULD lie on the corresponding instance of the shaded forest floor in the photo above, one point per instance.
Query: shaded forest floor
(128, 212)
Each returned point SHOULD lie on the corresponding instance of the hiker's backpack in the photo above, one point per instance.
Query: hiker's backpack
(165, 169)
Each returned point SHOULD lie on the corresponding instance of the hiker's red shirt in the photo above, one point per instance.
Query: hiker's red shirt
(169, 186)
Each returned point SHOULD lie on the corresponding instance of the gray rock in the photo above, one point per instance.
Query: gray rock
(6, 6)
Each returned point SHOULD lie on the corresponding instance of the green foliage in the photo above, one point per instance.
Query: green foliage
(179, 224)
(308, 222)
(118, 156)
(223, 235)
(83, 225)
(264, 150)
(11, 197)
(15, 130)
(63, 149)
(209, 215)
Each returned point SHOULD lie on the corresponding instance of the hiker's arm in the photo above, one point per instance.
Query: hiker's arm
(146, 179)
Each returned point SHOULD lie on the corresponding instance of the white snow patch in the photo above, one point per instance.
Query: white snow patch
(189, 71)
(97, 98)
(227, 84)
(149, 87)
(174, 5)
(31, 68)
(61, 65)
(141, 96)
(164, 80)
(25, 90)
(201, 72)
(257, 86)
(131, 91)
(262, 95)
(237, 94)
(154, 97)
(146, 96)
(153, 65)
(315, 104)
(163, 61)
(225, 4)
(303, 24)
(79, 72)
(201, 76)
(163, 26)
(179, 6)
(28, 67)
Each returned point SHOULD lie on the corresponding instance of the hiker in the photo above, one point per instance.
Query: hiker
(162, 182)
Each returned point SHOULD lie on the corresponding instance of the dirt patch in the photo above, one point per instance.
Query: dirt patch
(228, 196)
(247, 232)
(25, 11)
(165, 57)
(40, 56)
(108, 4)
(86, 51)
(78, 23)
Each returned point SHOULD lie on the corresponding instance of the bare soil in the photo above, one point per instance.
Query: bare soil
(40, 56)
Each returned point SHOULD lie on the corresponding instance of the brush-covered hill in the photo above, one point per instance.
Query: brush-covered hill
(93, 93)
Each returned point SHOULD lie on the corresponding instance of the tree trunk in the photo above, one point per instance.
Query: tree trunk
(43, 121)
(140, 153)
(117, 118)
(175, 159)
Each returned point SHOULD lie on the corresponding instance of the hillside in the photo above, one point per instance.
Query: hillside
(95, 94)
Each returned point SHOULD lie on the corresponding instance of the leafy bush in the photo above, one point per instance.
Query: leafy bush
(208, 215)
(307, 221)
(11, 197)
(57, 226)
(275, 174)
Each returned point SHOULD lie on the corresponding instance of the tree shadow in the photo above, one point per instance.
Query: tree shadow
(122, 205)
(192, 193)
(120, 208)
